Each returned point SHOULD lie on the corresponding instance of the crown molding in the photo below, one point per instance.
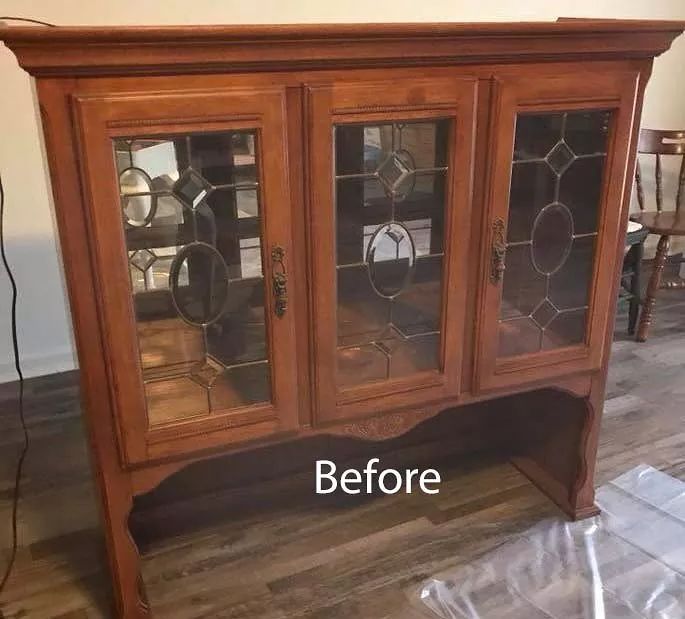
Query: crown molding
(93, 51)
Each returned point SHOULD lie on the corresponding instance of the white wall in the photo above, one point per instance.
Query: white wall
(45, 331)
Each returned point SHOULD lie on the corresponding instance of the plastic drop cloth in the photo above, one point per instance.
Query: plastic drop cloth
(627, 563)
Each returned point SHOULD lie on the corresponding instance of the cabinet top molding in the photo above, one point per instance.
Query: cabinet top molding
(105, 50)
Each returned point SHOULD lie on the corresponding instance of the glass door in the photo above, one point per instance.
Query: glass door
(389, 206)
(559, 174)
(201, 213)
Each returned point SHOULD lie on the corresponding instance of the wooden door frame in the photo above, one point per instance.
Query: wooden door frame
(617, 93)
(383, 100)
(99, 120)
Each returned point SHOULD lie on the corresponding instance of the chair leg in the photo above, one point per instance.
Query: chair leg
(653, 287)
(635, 287)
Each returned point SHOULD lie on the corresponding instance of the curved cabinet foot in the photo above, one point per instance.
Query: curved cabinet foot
(556, 445)
(130, 601)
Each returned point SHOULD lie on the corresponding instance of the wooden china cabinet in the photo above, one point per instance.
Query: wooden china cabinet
(271, 232)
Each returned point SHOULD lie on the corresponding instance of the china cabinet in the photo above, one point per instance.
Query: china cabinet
(271, 232)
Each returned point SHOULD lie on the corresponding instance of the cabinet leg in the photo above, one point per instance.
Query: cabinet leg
(556, 438)
(653, 288)
(124, 559)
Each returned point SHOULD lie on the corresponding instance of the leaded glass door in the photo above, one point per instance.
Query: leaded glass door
(390, 196)
(193, 235)
(553, 221)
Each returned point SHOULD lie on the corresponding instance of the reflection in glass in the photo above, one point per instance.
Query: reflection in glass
(390, 185)
(191, 217)
(556, 186)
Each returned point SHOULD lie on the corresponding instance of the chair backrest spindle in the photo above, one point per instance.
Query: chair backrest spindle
(655, 142)
(640, 188)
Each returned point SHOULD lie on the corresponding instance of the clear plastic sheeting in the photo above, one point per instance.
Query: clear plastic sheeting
(627, 563)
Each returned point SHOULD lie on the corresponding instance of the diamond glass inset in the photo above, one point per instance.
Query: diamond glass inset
(207, 371)
(142, 259)
(544, 313)
(395, 171)
(560, 158)
(192, 188)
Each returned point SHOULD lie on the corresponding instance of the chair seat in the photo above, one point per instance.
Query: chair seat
(636, 234)
(666, 222)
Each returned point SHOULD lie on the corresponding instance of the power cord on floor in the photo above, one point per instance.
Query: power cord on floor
(22, 418)
(17, 365)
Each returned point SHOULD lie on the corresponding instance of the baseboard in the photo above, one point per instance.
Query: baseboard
(39, 364)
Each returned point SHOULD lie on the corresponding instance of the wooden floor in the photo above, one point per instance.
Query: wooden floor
(280, 552)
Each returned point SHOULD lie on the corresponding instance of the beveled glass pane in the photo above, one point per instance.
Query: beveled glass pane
(580, 189)
(556, 189)
(368, 359)
(523, 288)
(174, 399)
(361, 314)
(199, 300)
(536, 135)
(193, 234)
(239, 385)
(569, 286)
(586, 132)
(137, 198)
(544, 313)
(533, 186)
(390, 211)
(552, 238)
(520, 336)
(417, 309)
(390, 259)
(567, 329)
(360, 202)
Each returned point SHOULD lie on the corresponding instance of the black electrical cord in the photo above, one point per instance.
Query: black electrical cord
(17, 365)
(28, 20)
(22, 418)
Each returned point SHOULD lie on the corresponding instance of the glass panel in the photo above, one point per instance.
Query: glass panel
(191, 212)
(390, 208)
(556, 187)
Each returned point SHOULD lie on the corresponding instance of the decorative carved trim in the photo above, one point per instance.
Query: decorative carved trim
(385, 427)
(186, 120)
(215, 423)
(375, 109)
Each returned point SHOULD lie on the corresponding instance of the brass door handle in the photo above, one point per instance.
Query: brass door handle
(279, 279)
(499, 252)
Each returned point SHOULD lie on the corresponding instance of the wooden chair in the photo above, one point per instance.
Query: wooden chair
(665, 223)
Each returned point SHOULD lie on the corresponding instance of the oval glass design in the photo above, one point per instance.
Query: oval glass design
(198, 280)
(138, 201)
(552, 238)
(390, 258)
